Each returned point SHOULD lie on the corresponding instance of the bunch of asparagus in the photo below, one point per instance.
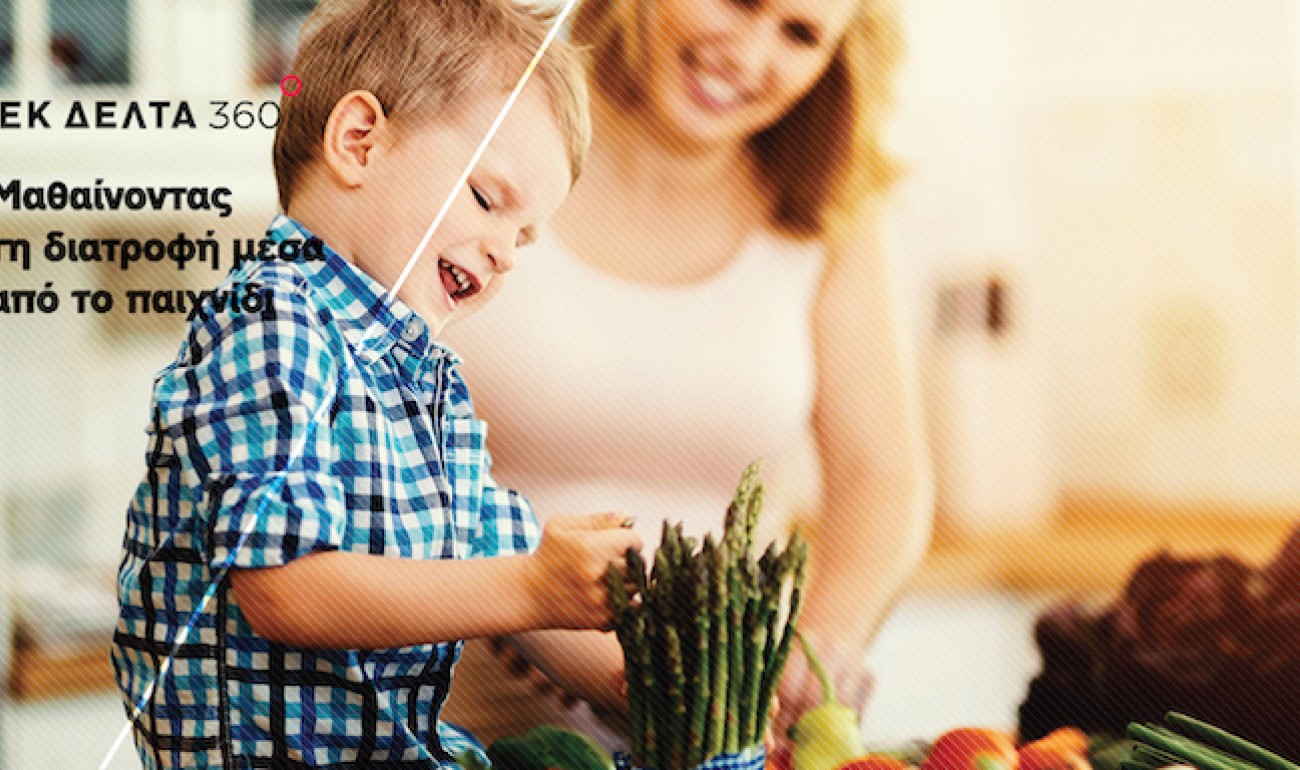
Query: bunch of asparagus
(705, 636)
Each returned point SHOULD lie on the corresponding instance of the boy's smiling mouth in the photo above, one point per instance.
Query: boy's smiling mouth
(459, 283)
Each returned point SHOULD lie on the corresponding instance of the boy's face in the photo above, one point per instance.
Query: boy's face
(522, 178)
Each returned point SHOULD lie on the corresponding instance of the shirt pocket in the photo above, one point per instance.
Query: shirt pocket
(465, 460)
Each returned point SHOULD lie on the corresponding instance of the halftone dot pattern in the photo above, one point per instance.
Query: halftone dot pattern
(1047, 558)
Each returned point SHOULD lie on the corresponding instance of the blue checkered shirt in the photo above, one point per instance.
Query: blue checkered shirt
(327, 420)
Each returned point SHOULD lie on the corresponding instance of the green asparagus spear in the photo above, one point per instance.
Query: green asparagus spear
(640, 659)
(756, 638)
(736, 542)
(738, 512)
(684, 598)
(744, 723)
(637, 687)
(659, 606)
(676, 714)
(636, 570)
(651, 686)
(664, 569)
(796, 555)
(777, 571)
(738, 598)
(700, 674)
(752, 512)
(719, 660)
(762, 607)
(624, 621)
(618, 597)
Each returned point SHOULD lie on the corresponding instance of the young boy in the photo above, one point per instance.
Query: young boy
(301, 557)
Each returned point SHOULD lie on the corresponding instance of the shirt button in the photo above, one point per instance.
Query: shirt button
(411, 332)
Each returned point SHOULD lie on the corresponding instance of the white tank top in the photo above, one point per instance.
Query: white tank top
(606, 394)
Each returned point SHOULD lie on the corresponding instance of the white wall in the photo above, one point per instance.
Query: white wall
(1133, 166)
(1160, 143)
(960, 220)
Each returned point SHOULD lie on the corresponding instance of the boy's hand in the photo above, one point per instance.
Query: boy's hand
(568, 580)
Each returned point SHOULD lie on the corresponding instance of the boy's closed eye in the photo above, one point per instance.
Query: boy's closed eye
(526, 236)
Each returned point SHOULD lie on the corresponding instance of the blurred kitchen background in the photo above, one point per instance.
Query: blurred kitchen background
(1097, 237)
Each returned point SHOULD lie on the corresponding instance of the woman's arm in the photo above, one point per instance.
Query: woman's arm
(877, 500)
(342, 600)
(584, 664)
(875, 519)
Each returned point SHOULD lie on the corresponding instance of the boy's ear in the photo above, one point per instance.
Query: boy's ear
(353, 131)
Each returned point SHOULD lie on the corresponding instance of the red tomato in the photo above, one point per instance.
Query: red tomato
(962, 749)
(875, 762)
(779, 760)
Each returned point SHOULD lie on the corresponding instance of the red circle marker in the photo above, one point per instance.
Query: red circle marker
(285, 85)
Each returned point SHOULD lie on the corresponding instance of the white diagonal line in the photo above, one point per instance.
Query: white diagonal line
(491, 132)
(297, 451)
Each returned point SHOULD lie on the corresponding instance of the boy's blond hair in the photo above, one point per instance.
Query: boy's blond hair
(420, 59)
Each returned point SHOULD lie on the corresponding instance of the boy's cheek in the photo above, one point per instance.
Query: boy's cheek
(486, 295)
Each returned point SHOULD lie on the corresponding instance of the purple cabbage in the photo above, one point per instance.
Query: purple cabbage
(1212, 637)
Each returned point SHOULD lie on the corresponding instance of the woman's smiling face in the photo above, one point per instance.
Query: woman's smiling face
(718, 71)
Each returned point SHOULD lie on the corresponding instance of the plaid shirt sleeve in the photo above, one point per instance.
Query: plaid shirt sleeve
(249, 411)
(506, 523)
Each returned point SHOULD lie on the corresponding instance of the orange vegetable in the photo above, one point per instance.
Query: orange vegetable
(962, 749)
(1059, 750)
(875, 762)
(1067, 738)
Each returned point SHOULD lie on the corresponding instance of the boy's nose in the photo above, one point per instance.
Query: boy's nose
(501, 255)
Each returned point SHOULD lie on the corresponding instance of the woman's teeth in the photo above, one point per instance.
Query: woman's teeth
(718, 89)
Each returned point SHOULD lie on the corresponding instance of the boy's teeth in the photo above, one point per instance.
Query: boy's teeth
(463, 282)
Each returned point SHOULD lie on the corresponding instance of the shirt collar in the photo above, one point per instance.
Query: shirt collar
(372, 320)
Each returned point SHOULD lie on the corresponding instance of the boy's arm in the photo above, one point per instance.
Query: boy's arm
(250, 411)
(343, 600)
(357, 601)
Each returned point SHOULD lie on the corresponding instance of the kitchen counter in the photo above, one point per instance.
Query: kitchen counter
(1088, 548)
(1092, 542)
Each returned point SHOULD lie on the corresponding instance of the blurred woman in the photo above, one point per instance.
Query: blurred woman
(713, 291)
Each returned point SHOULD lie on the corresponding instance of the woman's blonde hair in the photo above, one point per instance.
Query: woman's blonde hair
(823, 158)
(421, 59)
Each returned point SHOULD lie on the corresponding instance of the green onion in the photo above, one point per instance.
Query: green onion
(1229, 742)
(1188, 750)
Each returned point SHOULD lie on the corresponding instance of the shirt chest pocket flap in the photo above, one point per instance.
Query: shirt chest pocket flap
(466, 462)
